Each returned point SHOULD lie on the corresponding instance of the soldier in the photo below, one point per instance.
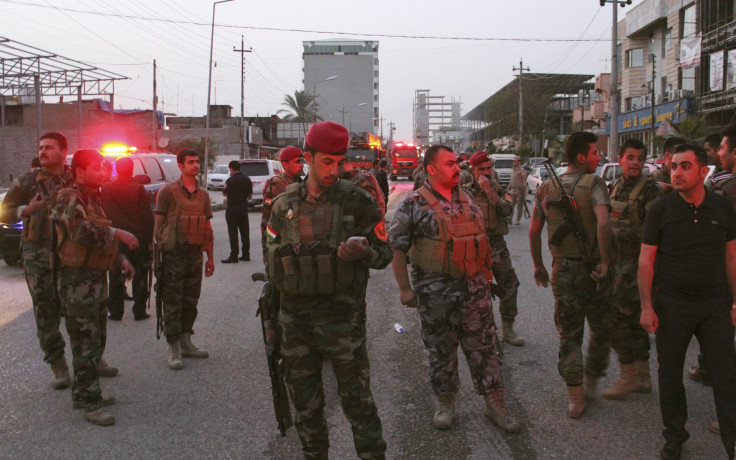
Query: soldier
(495, 209)
(632, 195)
(440, 229)
(466, 177)
(323, 236)
(517, 189)
(579, 266)
(662, 175)
(87, 247)
(182, 230)
(30, 198)
(292, 160)
(366, 181)
(420, 177)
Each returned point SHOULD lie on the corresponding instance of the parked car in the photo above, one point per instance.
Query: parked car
(259, 171)
(217, 177)
(610, 171)
(10, 240)
(538, 175)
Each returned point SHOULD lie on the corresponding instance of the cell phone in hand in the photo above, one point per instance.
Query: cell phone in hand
(356, 240)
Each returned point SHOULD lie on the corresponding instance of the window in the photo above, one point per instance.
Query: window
(635, 57)
(688, 22)
(152, 169)
(668, 39)
(633, 103)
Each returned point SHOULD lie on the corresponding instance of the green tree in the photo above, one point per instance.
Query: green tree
(300, 108)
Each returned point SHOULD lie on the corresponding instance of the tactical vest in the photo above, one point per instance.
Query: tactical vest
(462, 248)
(570, 247)
(625, 213)
(186, 222)
(72, 254)
(37, 226)
(307, 262)
(492, 222)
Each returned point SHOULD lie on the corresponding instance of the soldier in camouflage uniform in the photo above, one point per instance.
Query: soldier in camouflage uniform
(580, 278)
(517, 189)
(292, 160)
(440, 229)
(366, 181)
(495, 209)
(323, 236)
(631, 196)
(87, 248)
(182, 232)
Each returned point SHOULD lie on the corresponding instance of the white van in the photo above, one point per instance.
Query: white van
(259, 170)
(503, 164)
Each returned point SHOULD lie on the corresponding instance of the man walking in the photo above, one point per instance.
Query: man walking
(440, 229)
(687, 275)
(581, 258)
(323, 236)
(517, 189)
(238, 190)
(182, 230)
(87, 247)
(495, 209)
(127, 205)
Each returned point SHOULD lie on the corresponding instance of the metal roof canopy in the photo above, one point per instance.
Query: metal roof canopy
(58, 75)
(559, 83)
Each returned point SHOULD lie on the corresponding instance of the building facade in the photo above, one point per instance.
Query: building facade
(343, 77)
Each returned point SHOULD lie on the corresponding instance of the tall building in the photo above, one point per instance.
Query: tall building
(343, 75)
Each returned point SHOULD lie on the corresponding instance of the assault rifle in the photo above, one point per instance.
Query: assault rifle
(569, 207)
(157, 269)
(268, 307)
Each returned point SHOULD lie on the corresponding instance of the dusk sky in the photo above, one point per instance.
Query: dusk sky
(484, 40)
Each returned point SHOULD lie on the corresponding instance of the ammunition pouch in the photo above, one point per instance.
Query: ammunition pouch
(76, 255)
(619, 215)
(37, 227)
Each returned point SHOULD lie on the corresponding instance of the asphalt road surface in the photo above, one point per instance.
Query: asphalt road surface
(221, 407)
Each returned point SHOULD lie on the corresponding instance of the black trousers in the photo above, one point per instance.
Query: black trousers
(710, 321)
(237, 221)
(140, 258)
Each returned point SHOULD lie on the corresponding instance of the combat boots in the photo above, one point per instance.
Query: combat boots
(61, 373)
(174, 360)
(589, 388)
(626, 383)
(99, 417)
(106, 401)
(188, 350)
(497, 413)
(445, 412)
(577, 406)
(508, 334)
(645, 378)
(106, 370)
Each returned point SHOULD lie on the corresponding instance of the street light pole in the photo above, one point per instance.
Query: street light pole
(613, 120)
(314, 95)
(351, 115)
(209, 91)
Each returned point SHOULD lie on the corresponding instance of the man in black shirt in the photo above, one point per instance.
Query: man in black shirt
(688, 255)
(238, 190)
(382, 178)
(128, 206)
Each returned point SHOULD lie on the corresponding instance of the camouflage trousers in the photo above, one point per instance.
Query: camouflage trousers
(84, 294)
(518, 194)
(460, 312)
(182, 284)
(46, 305)
(628, 338)
(577, 298)
(505, 276)
(314, 331)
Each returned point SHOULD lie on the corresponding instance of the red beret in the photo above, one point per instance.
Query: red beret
(327, 137)
(479, 157)
(289, 153)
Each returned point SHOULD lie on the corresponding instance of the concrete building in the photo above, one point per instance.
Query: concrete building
(716, 94)
(343, 75)
(436, 120)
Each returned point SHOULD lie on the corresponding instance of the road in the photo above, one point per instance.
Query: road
(220, 407)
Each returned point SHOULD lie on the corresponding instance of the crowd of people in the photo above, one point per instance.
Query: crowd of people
(647, 254)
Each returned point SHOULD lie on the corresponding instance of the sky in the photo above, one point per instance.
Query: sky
(464, 50)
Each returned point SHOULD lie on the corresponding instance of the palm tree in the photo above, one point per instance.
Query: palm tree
(300, 108)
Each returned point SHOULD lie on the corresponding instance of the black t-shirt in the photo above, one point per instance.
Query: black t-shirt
(237, 189)
(691, 244)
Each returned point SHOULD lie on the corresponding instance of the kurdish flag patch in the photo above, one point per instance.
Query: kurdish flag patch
(271, 233)
(380, 231)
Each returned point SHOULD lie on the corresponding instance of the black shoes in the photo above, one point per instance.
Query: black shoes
(230, 260)
(142, 316)
(671, 451)
(127, 296)
(115, 317)
(245, 258)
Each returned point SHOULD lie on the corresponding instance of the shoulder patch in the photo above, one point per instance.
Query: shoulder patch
(271, 233)
(380, 231)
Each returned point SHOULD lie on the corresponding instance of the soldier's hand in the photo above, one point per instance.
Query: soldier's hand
(408, 297)
(541, 276)
(209, 268)
(126, 238)
(649, 320)
(599, 272)
(127, 270)
(484, 183)
(353, 249)
(35, 205)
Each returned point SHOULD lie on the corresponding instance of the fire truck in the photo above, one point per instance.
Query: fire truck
(404, 160)
(364, 148)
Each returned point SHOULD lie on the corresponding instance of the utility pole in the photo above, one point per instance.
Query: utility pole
(242, 52)
(154, 124)
(343, 112)
(521, 70)
(652, 58)
(613, 120)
